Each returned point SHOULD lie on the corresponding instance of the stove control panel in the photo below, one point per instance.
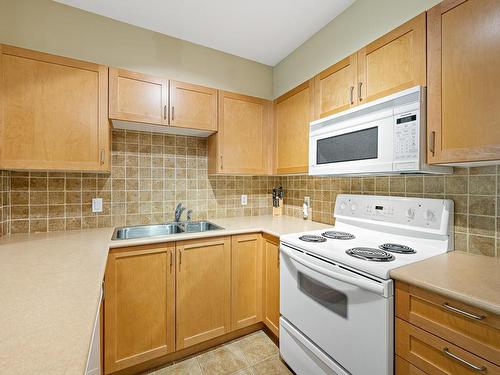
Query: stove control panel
(426, 214)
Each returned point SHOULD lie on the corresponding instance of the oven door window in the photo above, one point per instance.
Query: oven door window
(326, 296)
(358, 145)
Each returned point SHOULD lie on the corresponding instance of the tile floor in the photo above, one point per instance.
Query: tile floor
(254, 354)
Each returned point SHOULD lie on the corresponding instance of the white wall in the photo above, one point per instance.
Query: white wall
(51, 27)
(358, 25)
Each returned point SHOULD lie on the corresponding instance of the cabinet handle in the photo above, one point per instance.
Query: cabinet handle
(173, 109)
(360, 97)
(165, 112)
(351, 95)
(432, 142)
(278, 258)
(447, 352)
(221, 163)
(447, 306)
(180, 260)
(171, 260)
(102, 154)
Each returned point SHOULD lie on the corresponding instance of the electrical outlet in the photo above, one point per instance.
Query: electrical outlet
(244, 200)
(96, 204)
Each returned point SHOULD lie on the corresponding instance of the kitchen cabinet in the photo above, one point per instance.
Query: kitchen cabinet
(54, 112)
(394, 62)
(193, 106)
(463, 55)
(243, 142)
(335, 87)
(271, 283)
(139, 305)
(432, 330)
(293, 113)
(203, 290)
(137, 97)
(246, 280)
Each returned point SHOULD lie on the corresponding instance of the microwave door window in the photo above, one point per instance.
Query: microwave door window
(358, 145)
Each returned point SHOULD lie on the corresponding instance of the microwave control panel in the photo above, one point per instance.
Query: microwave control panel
(406, 137)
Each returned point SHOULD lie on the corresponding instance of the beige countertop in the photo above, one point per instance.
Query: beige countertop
(472, 279)
(50, 288)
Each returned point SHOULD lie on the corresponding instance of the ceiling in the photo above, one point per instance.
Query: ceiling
(261, 30)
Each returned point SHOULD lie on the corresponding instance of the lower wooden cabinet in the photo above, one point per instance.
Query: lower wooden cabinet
(139, 305)
(202, 290)
(271, 283)
(439, 335)
(246, 280)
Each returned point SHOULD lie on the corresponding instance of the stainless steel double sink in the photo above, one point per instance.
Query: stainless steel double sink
(143, 231)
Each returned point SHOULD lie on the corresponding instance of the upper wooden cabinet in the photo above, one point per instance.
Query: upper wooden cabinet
(336, 87)
(246, 280)
(203, 290)
(463, 119)
(137, 97)
(139, 305)
(244, 139)
(193, 106)
(393, 62)
(293, 113)
(54, 112)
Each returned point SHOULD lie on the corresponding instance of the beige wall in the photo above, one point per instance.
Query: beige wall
(357, 26)
(55, 28)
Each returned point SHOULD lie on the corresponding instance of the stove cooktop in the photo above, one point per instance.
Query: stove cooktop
(370, 251)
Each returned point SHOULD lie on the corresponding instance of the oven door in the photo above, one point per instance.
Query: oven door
(357, 145)
(343, 314)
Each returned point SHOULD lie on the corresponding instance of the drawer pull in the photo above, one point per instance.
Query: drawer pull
(447, 352)
(462, 312)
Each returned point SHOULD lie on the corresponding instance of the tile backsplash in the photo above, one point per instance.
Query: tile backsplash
(475, 192)
(152, 172)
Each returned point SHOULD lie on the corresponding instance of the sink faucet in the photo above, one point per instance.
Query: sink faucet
(178, 211)
(189, 214)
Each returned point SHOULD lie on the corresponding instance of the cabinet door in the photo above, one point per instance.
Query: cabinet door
(243, 142)
(246, 280)
(393, 62)
(137, 97)
(54, 112)
(139, 305)
(193, 106)
(335, 87)
(294, 112)
(271, 283)
(463, 120)
(203, 290)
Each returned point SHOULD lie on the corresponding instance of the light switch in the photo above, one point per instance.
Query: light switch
(96, 204)
(244, 200)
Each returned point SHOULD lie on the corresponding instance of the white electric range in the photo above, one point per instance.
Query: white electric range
(336, 295)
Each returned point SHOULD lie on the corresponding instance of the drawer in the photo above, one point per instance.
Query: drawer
(403, 367)
(466, 326)
(436, 356)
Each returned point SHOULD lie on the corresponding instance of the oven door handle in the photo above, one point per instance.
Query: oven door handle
(364, 284)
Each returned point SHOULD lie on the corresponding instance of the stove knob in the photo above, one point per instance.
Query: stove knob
(354, 207)
(342, 206)
(429, 215)
(410, 213)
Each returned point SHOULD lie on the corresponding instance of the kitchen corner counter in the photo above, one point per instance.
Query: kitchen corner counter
(472, 279)
(51, 286)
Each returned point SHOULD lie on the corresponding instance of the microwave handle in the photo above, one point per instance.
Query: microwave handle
(364, 284)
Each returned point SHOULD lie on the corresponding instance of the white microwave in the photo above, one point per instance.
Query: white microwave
(386, 136)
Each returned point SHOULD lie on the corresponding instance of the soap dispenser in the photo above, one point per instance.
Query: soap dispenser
(305, 208)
